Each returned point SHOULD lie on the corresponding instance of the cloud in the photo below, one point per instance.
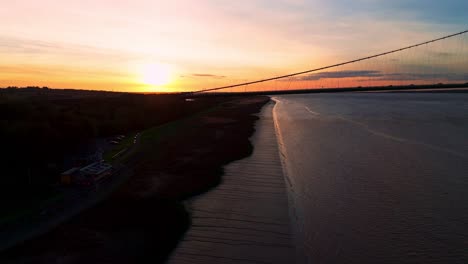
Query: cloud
(442, 54)
(448, 12)
(11, 45)
(453, 76)
(208, 75)
(339, 74)
(379, 75)
(17, 45)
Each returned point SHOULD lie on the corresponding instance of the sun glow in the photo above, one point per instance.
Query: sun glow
(156, 74)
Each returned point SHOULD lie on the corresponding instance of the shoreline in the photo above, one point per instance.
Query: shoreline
(246, 218)
(294, 205)
(143, 220)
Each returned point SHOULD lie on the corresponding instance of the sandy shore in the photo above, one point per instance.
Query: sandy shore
(245, 219)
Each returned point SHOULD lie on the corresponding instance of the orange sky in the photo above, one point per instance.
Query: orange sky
(117, 45)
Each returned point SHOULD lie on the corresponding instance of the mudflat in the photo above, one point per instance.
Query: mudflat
(245, 219)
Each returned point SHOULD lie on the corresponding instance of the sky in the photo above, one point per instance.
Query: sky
(151, 45)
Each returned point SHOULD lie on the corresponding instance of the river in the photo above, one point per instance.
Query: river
(377, 177)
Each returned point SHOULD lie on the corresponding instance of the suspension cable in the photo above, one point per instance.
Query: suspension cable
(331, 66)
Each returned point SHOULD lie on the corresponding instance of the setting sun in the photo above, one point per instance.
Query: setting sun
(156, 74)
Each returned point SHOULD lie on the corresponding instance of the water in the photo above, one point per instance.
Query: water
(377, 178)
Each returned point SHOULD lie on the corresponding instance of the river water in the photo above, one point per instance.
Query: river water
(377, 177)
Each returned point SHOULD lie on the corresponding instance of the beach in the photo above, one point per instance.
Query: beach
(245, 219)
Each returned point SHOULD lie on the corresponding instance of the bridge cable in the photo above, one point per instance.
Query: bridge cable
(331, 66)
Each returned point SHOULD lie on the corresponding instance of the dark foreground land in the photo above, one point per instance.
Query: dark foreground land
(144, 219)
(44, 132)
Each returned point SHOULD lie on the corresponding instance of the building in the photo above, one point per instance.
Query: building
(94, 172)
(87, 175)
(67, 177)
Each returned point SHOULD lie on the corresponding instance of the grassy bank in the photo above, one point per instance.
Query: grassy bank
(143, 220)
(27, 208)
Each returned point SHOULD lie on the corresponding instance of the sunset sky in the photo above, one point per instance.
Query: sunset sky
(150, 45)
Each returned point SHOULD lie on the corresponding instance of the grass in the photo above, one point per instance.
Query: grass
(126, 143)
(154, 134)
(22, 210)
(149, 136)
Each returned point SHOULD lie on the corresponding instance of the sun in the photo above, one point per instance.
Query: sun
(156, 74)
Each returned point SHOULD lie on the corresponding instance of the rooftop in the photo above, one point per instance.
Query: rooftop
(96, 168)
